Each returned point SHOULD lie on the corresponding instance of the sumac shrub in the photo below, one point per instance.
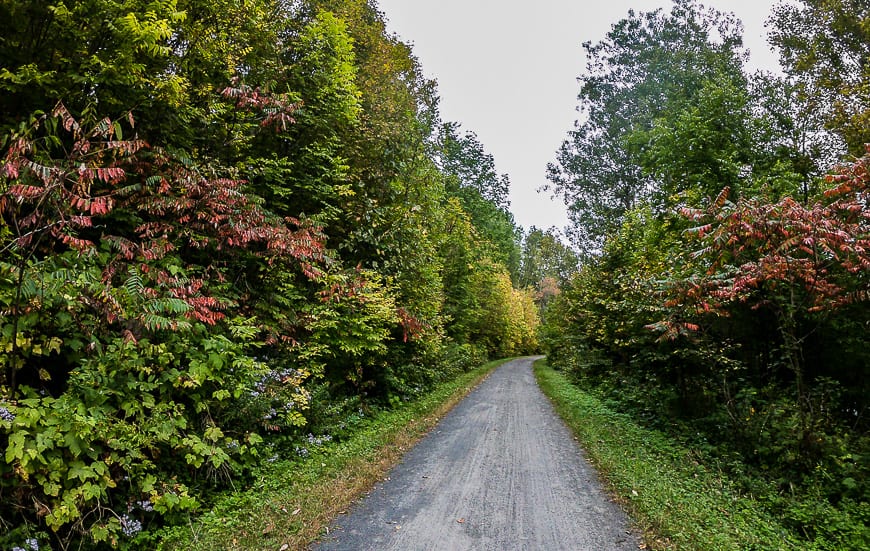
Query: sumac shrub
(121, 374)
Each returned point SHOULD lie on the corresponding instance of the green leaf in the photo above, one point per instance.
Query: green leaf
(77, 469)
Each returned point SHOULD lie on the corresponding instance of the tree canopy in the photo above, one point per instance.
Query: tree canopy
(658, 86)
(224, 226)
(722, 218)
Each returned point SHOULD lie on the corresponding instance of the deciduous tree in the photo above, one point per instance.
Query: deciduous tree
(823, 45)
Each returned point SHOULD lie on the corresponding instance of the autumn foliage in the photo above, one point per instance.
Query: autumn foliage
(225, 232)
(821, 250)
(727, 236)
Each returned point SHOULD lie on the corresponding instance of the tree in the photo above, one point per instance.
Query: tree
(700, 146)
(470, 175)
(545, 255)
(547, 265)
(505, 319)
(464, 158)
(796, 261)
(641, 102)
(792, 149)
(106, 52)
(260, 232)
(823, 46)
(305, 169)
(740, 326)
(161, 59)
(118, 347)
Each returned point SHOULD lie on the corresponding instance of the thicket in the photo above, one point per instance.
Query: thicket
(226, 228)
(724, 222)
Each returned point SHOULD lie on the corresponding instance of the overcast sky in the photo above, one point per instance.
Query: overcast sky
(508, 69)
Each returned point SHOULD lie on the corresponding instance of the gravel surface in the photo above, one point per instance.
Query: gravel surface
(499, 472)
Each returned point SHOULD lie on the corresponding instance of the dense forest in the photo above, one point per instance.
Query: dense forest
(723, 221)
(230, 229)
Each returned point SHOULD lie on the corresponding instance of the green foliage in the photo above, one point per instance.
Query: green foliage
(734, 328)
(320, 69)
(283, 265)
(822, 43)
(112, 52)
(546, 256)
(680, 496)
(700, 148)
(471, 177)
(350, 328)
(234, 230)
(608, 300)
(656, 88)
(121, 373)
(791, 150)
(103, 445)
(504, 319)
(746, 364)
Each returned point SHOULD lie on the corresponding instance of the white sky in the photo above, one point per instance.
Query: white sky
(508, 70)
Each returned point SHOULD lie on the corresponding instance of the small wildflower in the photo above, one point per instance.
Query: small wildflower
(6, 415)
(301, 452)
(318, 440)
(145, 505)
(16, 548)
(130, 526)
(32, 544)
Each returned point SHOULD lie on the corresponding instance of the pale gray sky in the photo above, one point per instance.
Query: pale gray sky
(508, 70)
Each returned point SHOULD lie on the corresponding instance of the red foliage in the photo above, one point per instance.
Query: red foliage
(815, 257)
(52, 204)
(276, 110)
(412, 327)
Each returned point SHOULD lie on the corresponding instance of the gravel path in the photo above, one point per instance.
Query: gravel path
(500, 472)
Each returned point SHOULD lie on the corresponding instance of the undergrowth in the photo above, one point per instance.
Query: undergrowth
(679, 500)
(292, 500)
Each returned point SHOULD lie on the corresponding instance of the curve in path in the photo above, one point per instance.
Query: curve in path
(499, 472)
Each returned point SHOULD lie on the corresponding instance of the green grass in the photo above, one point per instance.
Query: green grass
(677, 502)
(292, 502)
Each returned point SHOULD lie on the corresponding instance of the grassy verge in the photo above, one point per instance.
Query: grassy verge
(678, 503)
(292, 502)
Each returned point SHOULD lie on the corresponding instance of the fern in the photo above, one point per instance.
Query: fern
(167, 306)
(154, 322)
(134, 284)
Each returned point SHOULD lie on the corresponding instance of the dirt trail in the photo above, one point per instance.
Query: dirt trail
(500, 472)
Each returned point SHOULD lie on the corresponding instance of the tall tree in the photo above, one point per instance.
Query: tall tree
(239, 217)
(110, 53)
(791, 149)
(545, 256)
(471, 176)
(795, 261)
(642, 104)
(825, 46)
